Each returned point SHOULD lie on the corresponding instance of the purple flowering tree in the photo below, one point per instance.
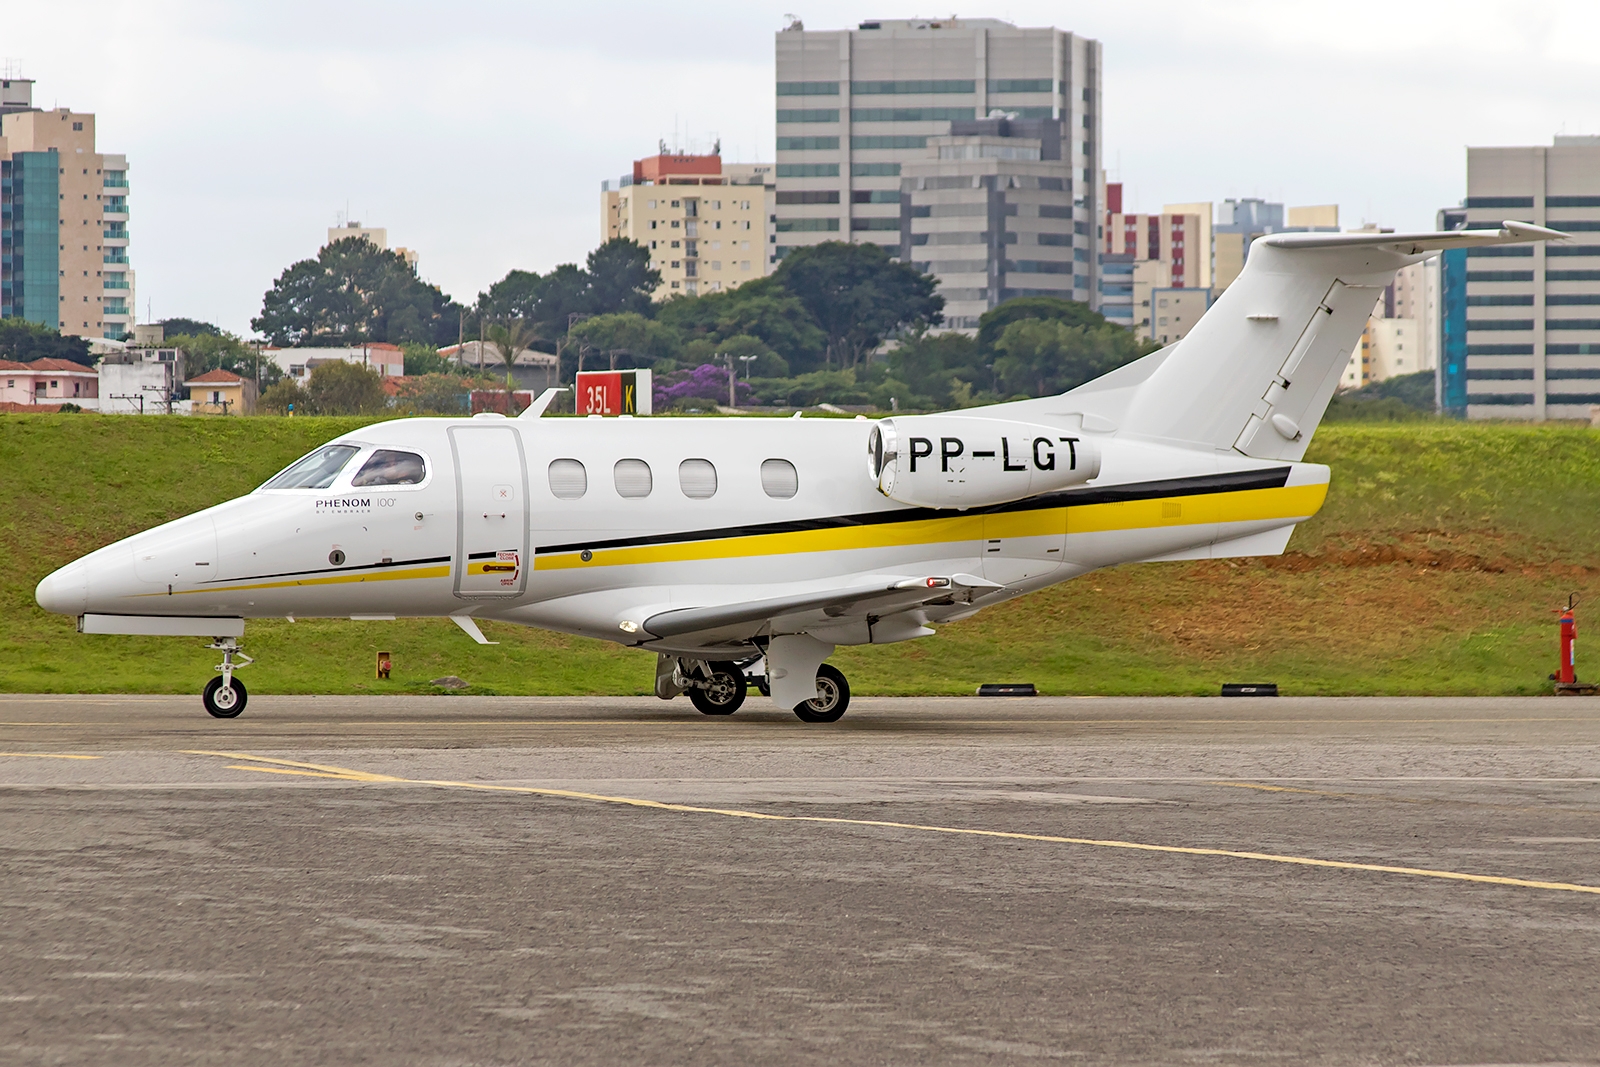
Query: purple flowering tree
(707, 382)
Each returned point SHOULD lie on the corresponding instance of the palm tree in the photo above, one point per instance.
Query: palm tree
(512, 338)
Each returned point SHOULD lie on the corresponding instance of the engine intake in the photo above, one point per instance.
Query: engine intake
(949, 461)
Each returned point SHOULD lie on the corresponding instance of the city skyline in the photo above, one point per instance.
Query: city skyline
(248, 133)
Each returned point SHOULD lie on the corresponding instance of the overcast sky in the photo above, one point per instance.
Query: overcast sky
(478, 131)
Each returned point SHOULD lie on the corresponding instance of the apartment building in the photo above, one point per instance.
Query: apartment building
(1520, 324)
(857, 107)
(708, 224)
(377, 236)
(63, 220)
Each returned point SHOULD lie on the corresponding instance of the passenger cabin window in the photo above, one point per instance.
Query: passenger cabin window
(387, 466)
(568, 479)
(779, 478)
(632, 477)
(316, 471)
(698, 479)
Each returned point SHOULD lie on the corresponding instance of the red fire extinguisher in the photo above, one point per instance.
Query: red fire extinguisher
(1567, 673)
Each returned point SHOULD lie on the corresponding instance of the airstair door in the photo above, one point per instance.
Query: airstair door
(492, 558)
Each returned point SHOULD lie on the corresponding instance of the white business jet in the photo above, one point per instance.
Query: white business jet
(744, 550)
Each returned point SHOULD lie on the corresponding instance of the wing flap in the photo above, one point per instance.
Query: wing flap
(836, 604)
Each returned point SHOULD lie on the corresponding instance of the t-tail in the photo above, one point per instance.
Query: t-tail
(1256, 373)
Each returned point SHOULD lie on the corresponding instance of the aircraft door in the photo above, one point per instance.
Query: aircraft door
(492, 558)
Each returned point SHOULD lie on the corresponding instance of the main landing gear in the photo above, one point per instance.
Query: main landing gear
(224, 696)
(719, 687)
(833, 697)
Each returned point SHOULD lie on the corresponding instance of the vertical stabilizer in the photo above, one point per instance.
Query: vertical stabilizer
(1256, 373)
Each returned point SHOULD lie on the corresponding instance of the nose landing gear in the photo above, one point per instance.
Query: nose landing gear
(224, 696)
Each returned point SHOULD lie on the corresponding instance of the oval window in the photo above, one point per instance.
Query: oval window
(632, 477)
(387, 466)
(568, 479)
(779, 478)
(698, 478)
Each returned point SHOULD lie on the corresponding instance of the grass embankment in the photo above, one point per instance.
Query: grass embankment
(1432, 569)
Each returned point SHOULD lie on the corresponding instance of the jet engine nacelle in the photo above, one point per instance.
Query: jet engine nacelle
(947, 461)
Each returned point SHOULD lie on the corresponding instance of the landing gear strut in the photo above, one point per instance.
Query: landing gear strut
(224, 696)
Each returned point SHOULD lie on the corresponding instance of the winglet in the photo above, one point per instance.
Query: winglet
(537, 408)
(470, 628)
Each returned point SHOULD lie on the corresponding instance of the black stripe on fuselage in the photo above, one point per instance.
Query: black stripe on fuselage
(336, 570)
(1201, 485)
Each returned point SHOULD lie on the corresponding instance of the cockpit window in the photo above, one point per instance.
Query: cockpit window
(389, 467)
(316, 471)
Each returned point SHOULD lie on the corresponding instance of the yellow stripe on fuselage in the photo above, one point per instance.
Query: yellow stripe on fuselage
(1250, 505)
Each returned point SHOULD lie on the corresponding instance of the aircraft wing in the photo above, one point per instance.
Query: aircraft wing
(820, 608)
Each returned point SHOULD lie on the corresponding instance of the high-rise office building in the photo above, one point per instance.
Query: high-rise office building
(857, 107)
(707, 224)
(64, 228)
(989, 214)
(1520, 324)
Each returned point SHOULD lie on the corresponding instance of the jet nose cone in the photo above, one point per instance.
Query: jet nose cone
(66, 592)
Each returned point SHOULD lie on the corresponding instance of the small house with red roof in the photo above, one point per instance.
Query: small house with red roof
(50, 382)
(221, 392)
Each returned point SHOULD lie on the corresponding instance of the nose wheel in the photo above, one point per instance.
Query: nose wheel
(224, 696)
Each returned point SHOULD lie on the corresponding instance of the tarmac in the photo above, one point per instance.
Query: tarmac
(452, 881)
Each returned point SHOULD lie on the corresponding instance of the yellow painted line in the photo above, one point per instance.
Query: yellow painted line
(1280, 789)
(441, 571)
(44, 755)
(307, 774)
(1007, 835)
(1290, 503)
(340, 771)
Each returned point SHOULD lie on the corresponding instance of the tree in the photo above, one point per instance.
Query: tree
(565, 293)
(994, 321)
(25, 341)
(516, 296)
(353, 292)
(938, 370)
(278, 398)
(621, 278)
(190, 327)
(630, 335)
(340, 388)
(425, 359)
(858, 295)
(434, 394)
(1041, 357)
(757, 309)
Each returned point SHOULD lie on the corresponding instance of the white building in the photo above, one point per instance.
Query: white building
(298, 363)
(142, 381)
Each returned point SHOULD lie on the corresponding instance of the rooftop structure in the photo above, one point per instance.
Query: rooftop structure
(707, 224)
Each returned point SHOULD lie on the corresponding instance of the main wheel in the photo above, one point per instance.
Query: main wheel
(724, 691)
(224, 702)
(833, 697)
